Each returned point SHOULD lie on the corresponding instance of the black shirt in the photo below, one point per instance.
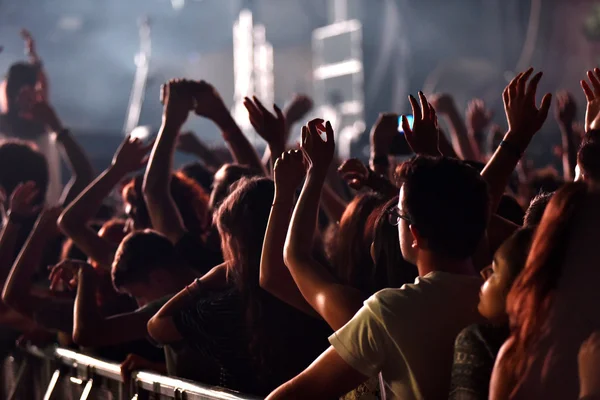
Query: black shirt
(216, 326)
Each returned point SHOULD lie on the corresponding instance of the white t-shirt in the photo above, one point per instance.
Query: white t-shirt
(408, 334)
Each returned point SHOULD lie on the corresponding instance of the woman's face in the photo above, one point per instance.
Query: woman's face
(492, 297)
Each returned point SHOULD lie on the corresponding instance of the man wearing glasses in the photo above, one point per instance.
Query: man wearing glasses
(408, 334)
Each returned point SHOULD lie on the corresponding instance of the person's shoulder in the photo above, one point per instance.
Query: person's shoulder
(469, 335)
(392, 301)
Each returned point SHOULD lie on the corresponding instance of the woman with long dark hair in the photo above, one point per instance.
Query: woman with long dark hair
(257, 340)
(552, 305)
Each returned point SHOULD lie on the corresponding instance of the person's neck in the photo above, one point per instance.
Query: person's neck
(428, 262)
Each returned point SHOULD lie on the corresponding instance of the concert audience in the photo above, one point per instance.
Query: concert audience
(365, 285)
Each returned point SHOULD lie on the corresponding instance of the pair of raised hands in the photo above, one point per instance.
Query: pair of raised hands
(315, 156)
(180, 96)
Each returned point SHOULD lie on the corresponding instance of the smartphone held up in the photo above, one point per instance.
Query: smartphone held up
(400, 146)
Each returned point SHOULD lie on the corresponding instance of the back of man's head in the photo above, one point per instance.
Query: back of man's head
(21, 162)
(447, 202)
(139, 255)
(588, 156)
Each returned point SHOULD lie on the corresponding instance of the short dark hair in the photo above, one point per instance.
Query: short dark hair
(535, 211)
(140, 253)
(447, 202)
(588, 156)
(20, 162)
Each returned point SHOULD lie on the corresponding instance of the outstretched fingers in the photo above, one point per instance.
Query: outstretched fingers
(589, 94)
(416, 110)
(545, 107)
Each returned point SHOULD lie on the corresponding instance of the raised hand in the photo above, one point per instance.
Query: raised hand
(478, 116)
(30, 49)
(66, 272)
(289, 171)
(44, 113)
(298, 108)
(23, 200)
(592, 95)
(423, 138)
(270, 127)
(47, 220)
(523, 115)
(354, 173)
(383, 133)
(318, 153)
(565, 110)
(178, 101)
(443, 103)
(131, 155)
(208, 102)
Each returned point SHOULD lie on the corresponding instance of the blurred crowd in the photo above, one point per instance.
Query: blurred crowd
(460, 272)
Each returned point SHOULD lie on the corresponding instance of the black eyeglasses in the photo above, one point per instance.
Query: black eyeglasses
(395, 215)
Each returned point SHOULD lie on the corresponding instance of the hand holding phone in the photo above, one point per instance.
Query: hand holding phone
(399, 145)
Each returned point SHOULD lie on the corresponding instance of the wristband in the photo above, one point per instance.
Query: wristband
(512, 148)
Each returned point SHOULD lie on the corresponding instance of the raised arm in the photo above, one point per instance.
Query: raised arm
(463, 144)
(424, 136)
(275, 278)
(381, 138)
(209, 104)
(272, 128)
(478, 119)
(335, 303)
(162, 209)
(17, 292)
(161, 326)
(34, 58)
(565, 112)
(81, 168)
(592, 95)
(21, 208)
(74, 221)
(525, 119)
(90, 328)
(293, 113)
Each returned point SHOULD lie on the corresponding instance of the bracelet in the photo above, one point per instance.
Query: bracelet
(17, 218)
(512, 148)
(382, 161)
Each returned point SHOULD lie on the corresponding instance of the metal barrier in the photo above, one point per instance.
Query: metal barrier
(58, 373)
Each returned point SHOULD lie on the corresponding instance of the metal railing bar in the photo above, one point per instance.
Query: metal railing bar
(19, 376)
(168, 385)
(52, 384)
(87, 389)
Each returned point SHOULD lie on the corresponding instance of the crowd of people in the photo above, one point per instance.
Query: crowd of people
(461, 272)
